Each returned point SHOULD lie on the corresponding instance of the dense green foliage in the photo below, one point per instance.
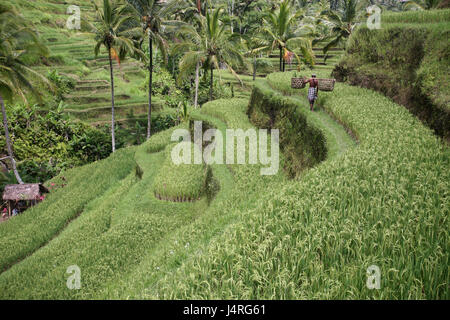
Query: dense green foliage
(408, 64)
(46, 143)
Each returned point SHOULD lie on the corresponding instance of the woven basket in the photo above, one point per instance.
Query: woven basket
(298, 83)
(326, 84)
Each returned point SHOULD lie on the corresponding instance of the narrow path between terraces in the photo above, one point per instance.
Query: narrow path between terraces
(341, 140)
(338, 139)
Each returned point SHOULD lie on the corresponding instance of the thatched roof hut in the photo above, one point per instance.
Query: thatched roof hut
(30, 191)
(20, 197)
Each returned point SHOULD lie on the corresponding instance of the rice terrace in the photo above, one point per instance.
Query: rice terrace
(225, 150)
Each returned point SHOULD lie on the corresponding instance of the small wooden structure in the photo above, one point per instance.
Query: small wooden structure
(23, 196)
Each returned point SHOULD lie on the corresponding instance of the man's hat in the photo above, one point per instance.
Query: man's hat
(313, 75)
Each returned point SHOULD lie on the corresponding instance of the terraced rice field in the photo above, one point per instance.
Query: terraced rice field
(383, 201)
(140, 227)
(72, 54)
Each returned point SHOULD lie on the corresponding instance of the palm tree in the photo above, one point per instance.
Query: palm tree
(114, 30)
(209, 45)
(193, 56)
(344, 21)
(284, 27)
(151, 14)
(186, 10)
(16, 40)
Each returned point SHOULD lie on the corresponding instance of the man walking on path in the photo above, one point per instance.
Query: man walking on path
(312, 91)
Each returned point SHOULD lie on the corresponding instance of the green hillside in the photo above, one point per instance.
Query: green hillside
(72, 54)
(408, 60)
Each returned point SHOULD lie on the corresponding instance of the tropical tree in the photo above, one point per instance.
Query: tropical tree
(287, 33)
(186, 10)
(115, 30)
(151, 13)
(208, 45)
(193, 57)
(344, 21)
(255, 46)
(17, 39)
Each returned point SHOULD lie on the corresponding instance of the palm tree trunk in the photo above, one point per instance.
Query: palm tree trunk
(231, 15)
(254, 68)
(113, 135)
(281, 59)
(150, 83)
(8, 142)
(211, 84)
(197, 69)
(284, 65)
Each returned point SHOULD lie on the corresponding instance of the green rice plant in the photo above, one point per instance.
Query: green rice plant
(107, 241)
(416, 16)
(180, 182)
(161, 139)
(68, 197)
(229, 111)
(384, 202)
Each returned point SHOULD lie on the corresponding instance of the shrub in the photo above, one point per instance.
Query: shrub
(61, 83)
(220, 90)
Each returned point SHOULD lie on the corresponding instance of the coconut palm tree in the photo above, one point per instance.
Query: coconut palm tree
(344, 21)
(287, 33)
(151, 13)
(116, 31)
(193, 56)
(208, 45)
(16, 40)
(186, 10)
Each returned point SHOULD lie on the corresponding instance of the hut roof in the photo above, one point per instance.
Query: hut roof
(30, 191)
